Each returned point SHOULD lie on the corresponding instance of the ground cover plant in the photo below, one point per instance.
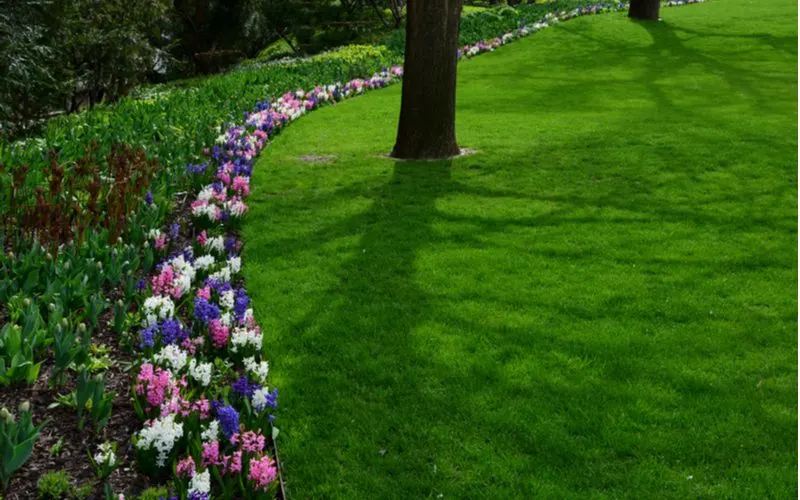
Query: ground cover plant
(600, 302)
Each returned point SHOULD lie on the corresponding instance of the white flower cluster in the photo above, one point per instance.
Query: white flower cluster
(185, 272)
(161, 435)
(259, 400)
(211, 433)
(259, 370)
(105, 455)
(208, 210)
(172, 356)
(226, 299)
(157, 307)
(216, 244)
(200, 483)
(200, 372)
(204, 262)
(232, 268)
(243, 337)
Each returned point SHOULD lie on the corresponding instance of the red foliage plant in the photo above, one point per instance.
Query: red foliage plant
(77, 198)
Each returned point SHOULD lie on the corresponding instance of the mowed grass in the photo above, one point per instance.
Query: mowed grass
(600, 303)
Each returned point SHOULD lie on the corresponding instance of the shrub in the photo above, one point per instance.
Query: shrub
(154, 493)
(54, 485)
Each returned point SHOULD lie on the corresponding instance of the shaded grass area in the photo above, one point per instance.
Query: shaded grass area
(600, 303)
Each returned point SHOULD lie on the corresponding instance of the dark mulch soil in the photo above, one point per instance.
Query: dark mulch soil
(62, 423)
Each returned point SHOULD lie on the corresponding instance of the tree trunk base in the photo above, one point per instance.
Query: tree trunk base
(645, 10)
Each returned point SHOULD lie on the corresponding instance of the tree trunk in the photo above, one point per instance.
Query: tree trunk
(427, 126)
(644, 9)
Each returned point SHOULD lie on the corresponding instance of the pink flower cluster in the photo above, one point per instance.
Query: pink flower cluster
(262, 472)
(164, 283)
(156, 384)
(219, 333)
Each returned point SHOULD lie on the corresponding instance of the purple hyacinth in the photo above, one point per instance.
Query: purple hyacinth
(240, 303)
(230, 245)
(205, 311)
(141, 285)
(148, 336)
(174, 231)
(229, 420)
(172, 332)
(272, 398)
(197, 495)
(148, 198)
(244, 387)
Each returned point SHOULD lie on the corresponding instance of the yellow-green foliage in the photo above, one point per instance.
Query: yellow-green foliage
(354, 54)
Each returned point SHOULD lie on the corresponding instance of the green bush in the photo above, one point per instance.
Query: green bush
(54, 485)
(490, 23)
(83, 492)
(155, 493)
(275, 50)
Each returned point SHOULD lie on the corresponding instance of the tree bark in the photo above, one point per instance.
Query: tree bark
(427, 127)
(644, 9)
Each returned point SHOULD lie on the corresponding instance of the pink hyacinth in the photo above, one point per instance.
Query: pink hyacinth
(253, 442)
(205, 292)
(211, 453)
(241, 185)
(186, 467)
(224, 177)
(189, 346)
(203, 407)
(199, 203)
(219, 333)
(202, 238)
(263, 472)
(155, 382)
(236, 462)
(160, 242)
(162, 283)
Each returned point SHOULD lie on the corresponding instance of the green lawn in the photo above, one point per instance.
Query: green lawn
(600, 303)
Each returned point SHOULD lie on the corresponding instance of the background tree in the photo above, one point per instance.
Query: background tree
(644, 9)
(31, 78)
(428, 106)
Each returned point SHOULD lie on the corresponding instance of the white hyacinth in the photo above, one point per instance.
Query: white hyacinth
(226, 299)
(200, 483)
(259, 370)
(242, 337)
(161, 435)
(172, 356)
(200, 372)
(157, 307)
(105, 455)
(206, 193)
(216, 244)
(204, 262)
(260, 399)
(211, 433)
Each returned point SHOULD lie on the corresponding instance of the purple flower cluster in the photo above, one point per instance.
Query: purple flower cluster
(243, 387)
(229, 420)
(204, 311)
